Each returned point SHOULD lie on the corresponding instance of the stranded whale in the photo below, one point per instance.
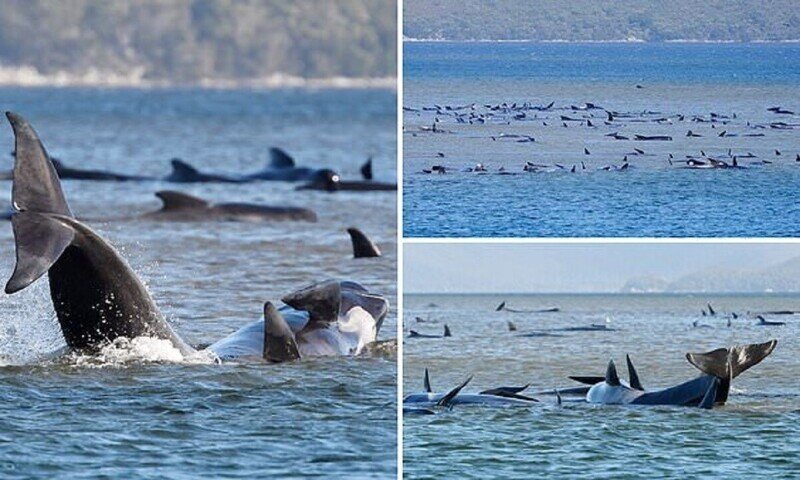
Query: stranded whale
(719, 367)
(497, 397)
(98, 298)
(182, 207)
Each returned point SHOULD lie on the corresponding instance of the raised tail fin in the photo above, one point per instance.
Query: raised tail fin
(36, 185)
(363, 247)
(738, 358)
(36, 197)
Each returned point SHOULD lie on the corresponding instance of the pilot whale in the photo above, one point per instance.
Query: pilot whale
(718, 368)
(496, 397)
(280, 168)
(330, 181)
(324, 319)
(179, 206)
(98, 298)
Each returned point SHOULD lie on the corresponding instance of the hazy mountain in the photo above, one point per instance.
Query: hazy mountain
(609, 20)
(186, 41)
(783, 277)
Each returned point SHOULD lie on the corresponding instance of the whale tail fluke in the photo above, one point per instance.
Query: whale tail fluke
(731, 362)
(366, 169)
(447, 331)
(363, 247)
(36, 184)
(279, 341)
(36, 198)
(280, 159)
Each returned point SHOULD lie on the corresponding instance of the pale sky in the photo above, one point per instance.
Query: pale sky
(600, 267)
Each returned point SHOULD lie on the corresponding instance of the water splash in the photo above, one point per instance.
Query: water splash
(29, 331)
(125, 351)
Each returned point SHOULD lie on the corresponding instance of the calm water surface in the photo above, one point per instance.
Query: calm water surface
(650, 198)
(754, 434)
(142, 413)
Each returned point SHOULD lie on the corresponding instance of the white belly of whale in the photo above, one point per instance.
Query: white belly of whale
(347, 336)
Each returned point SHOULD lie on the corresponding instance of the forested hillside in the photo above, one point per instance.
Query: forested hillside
(184, 41)
(607, 20)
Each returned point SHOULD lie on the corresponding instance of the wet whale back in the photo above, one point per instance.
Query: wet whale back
(108, 302)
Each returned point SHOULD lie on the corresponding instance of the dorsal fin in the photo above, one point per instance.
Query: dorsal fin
(447, 331)
(279, 342)
(180, 201)
(427, 382)
(366, 169)
(182, 170)
(611, 374)
(633, 377)
(500, 307)
(280, 159)
(321, 300)
(447, 400)
(362, 246)
(36, 186)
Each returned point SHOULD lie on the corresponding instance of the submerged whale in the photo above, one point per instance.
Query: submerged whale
(96, 175)
(416, 334)
(718, 368)
(182, 207)
(330, 181)
(182, 172)
(98, 298)
(281, 167)
(65, 172)
(444, 403)
(495, 397)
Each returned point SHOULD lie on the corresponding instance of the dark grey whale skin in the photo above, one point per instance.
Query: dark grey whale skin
(109, 301)
(181, 207)
(329, 181)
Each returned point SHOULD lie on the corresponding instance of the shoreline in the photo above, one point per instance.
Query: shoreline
(29, 77)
